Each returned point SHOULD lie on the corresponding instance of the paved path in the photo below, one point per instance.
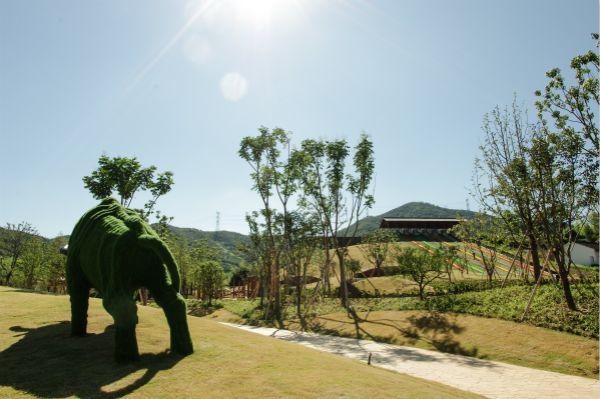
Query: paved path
(487, 378)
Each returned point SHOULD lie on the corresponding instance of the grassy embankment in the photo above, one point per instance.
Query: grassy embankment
(38, 358)
(400, 286)
(480, 324)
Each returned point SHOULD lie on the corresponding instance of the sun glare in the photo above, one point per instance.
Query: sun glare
(259, 13)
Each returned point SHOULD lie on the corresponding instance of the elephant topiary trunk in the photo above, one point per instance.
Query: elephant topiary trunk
(113, 250)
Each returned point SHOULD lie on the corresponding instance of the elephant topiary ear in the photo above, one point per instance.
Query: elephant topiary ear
(157, 246)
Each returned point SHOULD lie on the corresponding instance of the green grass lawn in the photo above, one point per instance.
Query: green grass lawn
(38, 358)
(454, 323)
(484, 338)
(474, 336)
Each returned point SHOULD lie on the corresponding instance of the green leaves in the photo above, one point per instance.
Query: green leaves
(377, 246)
(327, 196)
(421, 266)
(209, 278)
(571, 109)
(126, 177)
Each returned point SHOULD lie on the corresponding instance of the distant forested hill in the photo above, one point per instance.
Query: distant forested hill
(410, 210)
(227, 241)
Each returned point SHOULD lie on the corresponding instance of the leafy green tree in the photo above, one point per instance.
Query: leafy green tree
(450, 254)
(275, 180)
(422, 266)
(13, 243)
(560, 199)
(569, 109)
(377, 246)
(484, 236)
(126, 177)
(338, 198)
(590, 229)
(503, 184)
(32, 263)
(300, 244)
(54, 270)
(239, 275)
(209, 277)
(564, 159)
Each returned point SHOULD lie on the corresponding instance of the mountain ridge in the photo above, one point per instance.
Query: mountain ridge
(415, 209)
(229, 241)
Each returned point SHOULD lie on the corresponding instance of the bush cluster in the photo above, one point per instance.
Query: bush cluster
(547, 309)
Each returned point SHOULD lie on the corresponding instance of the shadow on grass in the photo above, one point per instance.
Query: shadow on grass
(47, 362)
(437, 329)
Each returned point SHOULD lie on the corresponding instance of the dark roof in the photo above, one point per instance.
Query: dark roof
(417, 223)
(298, 280)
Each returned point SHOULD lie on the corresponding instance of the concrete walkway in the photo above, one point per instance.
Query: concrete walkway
(487, 378)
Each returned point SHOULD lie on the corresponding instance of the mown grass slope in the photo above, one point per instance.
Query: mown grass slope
(38, 358)
(474, 336)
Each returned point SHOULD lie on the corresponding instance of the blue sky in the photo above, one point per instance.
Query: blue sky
(178, 84)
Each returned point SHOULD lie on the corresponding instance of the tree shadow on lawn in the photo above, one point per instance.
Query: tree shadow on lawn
(383, 355)
(437, 329)
(48, 362)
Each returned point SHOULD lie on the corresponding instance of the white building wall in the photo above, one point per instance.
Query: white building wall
(583, 255)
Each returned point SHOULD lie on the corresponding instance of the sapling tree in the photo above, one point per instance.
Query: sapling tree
(301, 244)
(422, 266)
(377, 246)
(483, 236)
(503, 184)
(450, 253)
(209, 276)
(560, 199)
(336, 196)
(564, 159)
(569, 109)
(273, 176)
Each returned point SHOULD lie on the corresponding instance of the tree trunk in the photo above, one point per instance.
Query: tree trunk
(564, 278)
(343, 286)
(566, 284)
(535, 257)
(325, 272)
(299, 305)
(7, 278)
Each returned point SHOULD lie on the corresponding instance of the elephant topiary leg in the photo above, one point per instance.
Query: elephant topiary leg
(124, 312)
(79, 292)
(173, 305)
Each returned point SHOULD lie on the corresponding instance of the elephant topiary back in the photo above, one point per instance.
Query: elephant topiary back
(115, 229)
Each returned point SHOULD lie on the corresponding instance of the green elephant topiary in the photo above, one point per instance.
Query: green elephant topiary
(113, 250)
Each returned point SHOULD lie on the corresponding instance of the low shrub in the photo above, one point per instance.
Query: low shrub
(469, 285)
(547, 310)
(200, 308)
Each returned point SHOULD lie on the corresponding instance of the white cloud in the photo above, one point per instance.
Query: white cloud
(197, 49)
(233, 86)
